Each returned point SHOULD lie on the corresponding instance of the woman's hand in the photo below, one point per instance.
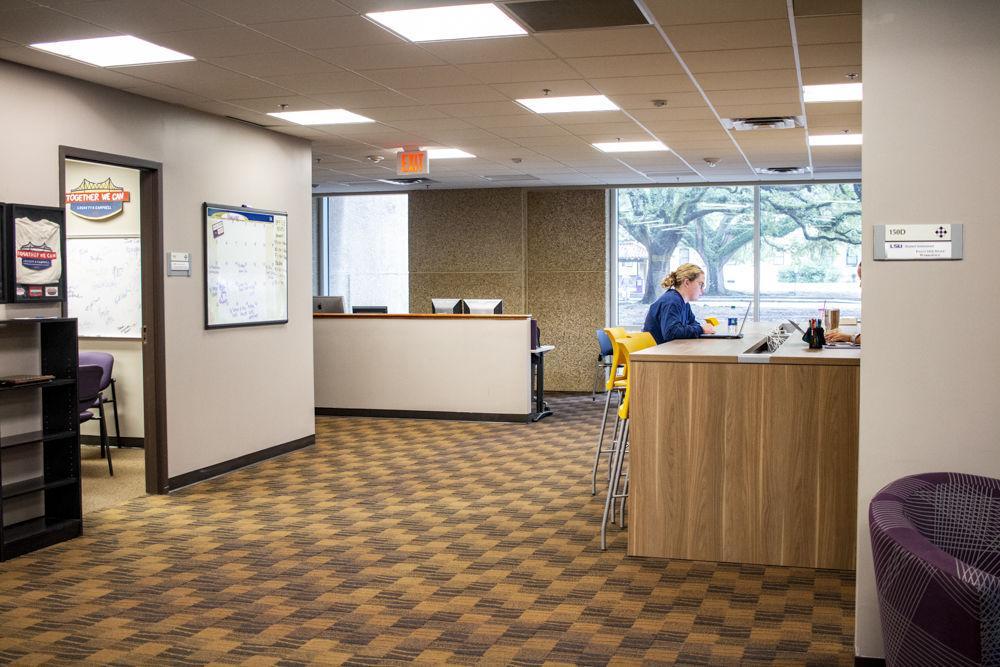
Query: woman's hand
(707, 328)
(835, 336)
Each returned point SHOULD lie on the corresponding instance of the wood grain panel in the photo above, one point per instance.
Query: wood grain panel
(744, 463)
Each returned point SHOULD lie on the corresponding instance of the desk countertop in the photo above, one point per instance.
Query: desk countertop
(418, 316)
(729, 351)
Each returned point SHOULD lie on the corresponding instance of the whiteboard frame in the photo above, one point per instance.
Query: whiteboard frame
(206, 231)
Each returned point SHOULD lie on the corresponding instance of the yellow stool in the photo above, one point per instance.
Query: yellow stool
(615, 385)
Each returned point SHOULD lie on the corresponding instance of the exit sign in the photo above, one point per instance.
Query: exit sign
(412, 163)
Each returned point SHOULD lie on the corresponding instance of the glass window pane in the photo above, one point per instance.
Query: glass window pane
(810, 249)
(661, 228)
(368, 246)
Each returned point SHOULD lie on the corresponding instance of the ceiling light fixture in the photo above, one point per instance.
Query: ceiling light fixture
(631, 146)
(321, 117)
(571, 104)
(832, 92)
(834, 139)
(446, 153)
(447, 23)
(119, 51)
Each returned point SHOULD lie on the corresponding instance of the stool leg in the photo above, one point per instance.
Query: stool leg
(617, 456)
(597, 371)
(600, 443)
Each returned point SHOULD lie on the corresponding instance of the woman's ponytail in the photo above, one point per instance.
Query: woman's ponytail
(683, 272)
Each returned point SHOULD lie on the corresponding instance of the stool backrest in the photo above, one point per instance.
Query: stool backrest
(634, 343)
(605, 342)
(615, 334)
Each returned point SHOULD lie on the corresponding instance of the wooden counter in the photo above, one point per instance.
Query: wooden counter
(736, 460)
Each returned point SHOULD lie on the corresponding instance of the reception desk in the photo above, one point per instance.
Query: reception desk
(744, 457)
(475, 367)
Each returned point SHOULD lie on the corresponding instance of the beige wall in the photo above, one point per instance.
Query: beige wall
(542, 251)
(929, 402)
(230, 392)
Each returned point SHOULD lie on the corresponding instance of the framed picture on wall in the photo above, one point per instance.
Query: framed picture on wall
(34, 253)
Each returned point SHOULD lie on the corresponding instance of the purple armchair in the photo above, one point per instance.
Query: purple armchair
(936, 543)
(107, 364)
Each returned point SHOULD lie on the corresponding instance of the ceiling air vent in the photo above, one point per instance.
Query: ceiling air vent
(782, 170)
(763, 123)
(505, 178)
(545, 15)
(413, 180)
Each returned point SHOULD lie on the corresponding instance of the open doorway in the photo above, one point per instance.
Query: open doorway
(115, 290)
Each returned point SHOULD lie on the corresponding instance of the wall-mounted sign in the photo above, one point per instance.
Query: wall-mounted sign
(179, 264)
(97, 201)
(918, 242)
(412, 163)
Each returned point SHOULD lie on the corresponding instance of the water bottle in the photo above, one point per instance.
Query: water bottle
(733, 320)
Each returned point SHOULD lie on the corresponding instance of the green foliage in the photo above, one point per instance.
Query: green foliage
(808, 274)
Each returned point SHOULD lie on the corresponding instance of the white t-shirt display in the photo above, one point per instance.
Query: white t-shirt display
(37, 252)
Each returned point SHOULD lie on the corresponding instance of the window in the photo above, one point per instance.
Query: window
(364, 256)
(798, 244)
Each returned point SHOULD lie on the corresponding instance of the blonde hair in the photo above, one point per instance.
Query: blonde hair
(683, 272)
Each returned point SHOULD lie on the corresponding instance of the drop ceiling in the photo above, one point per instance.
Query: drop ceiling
(707, 59)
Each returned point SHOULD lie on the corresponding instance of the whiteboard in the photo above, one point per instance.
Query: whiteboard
(104, 286)
(246, 266)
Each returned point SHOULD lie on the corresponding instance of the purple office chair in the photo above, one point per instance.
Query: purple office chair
(89, 390)
(107, 364)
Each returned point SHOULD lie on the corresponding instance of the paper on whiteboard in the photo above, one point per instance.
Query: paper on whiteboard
(246, 254)
(104, 286)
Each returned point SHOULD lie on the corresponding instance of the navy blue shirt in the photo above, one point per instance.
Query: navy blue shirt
(671, 317)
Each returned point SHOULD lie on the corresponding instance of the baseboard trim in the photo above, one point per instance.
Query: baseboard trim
(200, 475)
(126, 441)
(860, 661)
(423, 414)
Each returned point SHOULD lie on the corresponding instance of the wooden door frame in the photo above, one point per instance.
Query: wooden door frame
(154, 374)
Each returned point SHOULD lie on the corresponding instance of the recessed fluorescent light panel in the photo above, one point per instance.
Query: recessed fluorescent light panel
(834, 139)
(119, 51)
(833, 92)
(631, 146)
(321, 117)
(569, 104)
(445, 23)
(446, 153)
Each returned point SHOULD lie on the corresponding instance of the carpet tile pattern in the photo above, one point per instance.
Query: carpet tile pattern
(405, 541)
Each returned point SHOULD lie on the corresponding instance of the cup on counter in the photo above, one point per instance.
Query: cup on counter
(831, 319)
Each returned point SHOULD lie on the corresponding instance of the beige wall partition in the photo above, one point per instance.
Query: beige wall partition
(929, 399)
(230, 392)
(542, 251)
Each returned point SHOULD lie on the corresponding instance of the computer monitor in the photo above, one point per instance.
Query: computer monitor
(328, 304)
(485, 306)
(456, 306)
(370, 310)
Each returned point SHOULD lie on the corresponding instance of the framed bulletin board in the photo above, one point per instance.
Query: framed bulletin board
(34, 254)
(246, 266)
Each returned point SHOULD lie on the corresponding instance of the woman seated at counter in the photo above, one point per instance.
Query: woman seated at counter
(670, 317)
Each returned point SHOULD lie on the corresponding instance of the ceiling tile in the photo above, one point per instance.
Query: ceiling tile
(529, 131)
(158, 91)
(37, 24)
(738, 60)
(731, 35)
(728, 98)
(324, 82)
(421, 77)
(670, 113)
(820, 75)
(232, 111)
(524, 70)
(271, 64)
(681, 12)
(675, 83)
(607, 42)
(826, 7)
(367, 98)
(479, 109)
(495, 50)
(265, 11)
(329, 32)
(645, 101)
(536, 89)
(392, 114)
(828, 29)
(218, 42)
(758, 110)
(524, 119)
(431, 125)
(616, 129)
(205, 79)
(828, 108)
(674, 126)
(609, 66)
(830, 55)
(456, 94)
(769, 78)
(273, 104)
(835, 123)
(145, 16)
(380, 56)
(567, 119)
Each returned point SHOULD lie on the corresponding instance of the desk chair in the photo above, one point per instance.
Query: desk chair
(603, 361)
(89, 390)
(615, 385)
(107, 364)
(618, 479)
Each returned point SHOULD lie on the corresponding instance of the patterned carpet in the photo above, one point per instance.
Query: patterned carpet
(397, 541)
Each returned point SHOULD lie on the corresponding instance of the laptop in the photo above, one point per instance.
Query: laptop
(738, 334)
(328, 304)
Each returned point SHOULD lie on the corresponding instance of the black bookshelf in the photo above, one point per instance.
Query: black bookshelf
(56, 511)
